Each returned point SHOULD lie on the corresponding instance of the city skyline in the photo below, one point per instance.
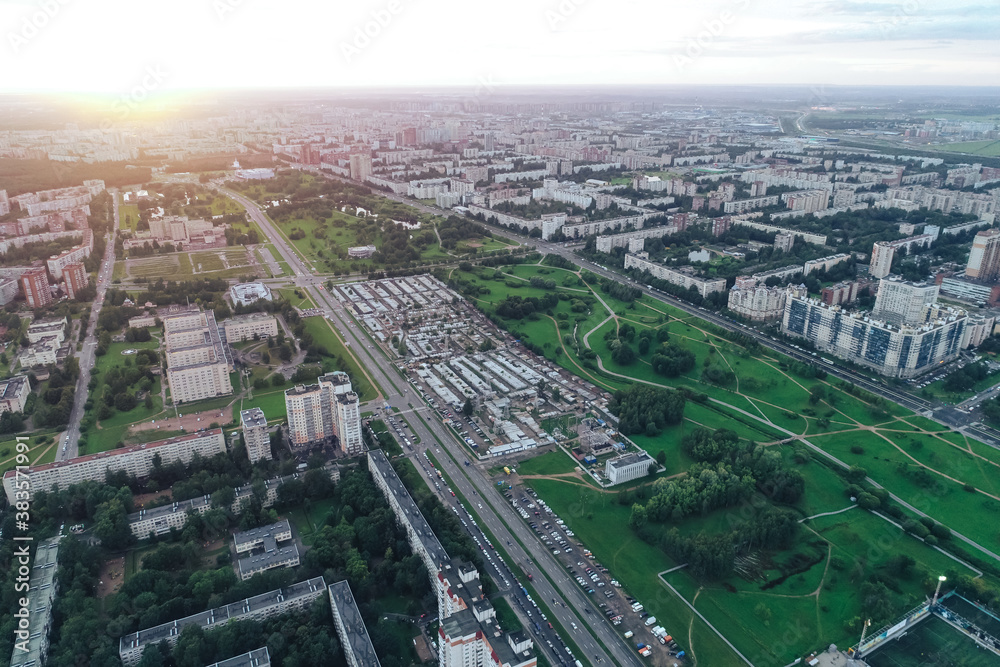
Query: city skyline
(60, 46)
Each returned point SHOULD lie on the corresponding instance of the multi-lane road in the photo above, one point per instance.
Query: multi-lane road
(70, 446)
(497, 516)
(966, 420)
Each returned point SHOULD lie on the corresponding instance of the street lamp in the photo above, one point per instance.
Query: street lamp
(937, 591)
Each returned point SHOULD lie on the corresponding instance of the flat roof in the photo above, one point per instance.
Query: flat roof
(262, 532)
(41, 593)
(256, 658)
(221, 615)
(268, 559)
(253, 417)
(427, 537)
(630, 459)
(120, 452)
(357, 639)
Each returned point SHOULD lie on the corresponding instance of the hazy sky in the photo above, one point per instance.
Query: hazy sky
(118, 46)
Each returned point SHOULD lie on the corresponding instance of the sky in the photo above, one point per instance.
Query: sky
(149, 47)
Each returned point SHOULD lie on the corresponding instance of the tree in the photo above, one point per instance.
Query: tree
(817, 394)
(149, 402)
(111, 525)
(661, 457)
(467, 408)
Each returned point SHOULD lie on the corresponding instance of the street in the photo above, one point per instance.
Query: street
(70, 446)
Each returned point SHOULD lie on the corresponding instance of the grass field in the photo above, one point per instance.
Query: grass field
(919, 460)
(984, 148)
(323, 333)
(219, 263)
(933, 642)
(128, 216)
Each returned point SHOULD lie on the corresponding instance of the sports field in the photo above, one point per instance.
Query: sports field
(984, 148)
(933, 642)
(216, 263)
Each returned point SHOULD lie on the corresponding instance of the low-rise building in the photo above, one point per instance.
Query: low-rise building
(42, 353)
(628, 467)
(140, 321)
(263, 553)
(361, 252)
(296, 597)
(161, 520)
(42, 329)
(246, 293)
(14, 393)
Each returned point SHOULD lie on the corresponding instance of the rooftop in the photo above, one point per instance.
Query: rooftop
(254, 417)
(268, 559)
(257, 658)
(212, 617)
(121, 452)
(630, 459)
(354, 626)
(262, 533)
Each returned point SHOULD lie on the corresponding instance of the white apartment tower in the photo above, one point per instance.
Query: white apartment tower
(900, 302)
(255, 434)
(881, 264)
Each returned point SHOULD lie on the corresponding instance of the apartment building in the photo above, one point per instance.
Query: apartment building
(136, 460)
(261, 550)
(895, 351)
(43, 587)
(76, 279)
(14, 393)
(900, 302)
(468, 634)
(35, 286)
(745, 205)
(255, 435)
(350, 626)
(161, 520)
(58, 263)
(881, 262)
(704, 286)
(984, 257)
(756, 301)
(249, 326)
(327, 409)
(257, 658)
(198, 362)
(294, 598)
(825, 263)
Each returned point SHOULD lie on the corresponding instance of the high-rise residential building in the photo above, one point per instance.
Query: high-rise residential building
(881, 263)
(900, 302)
(35, 285)
(198, 362)
(361, 166)
(255, 434)
(327, 409)
(895, 351)
(984, 258)
(76, 278)
(349, 424)
(784, 242)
